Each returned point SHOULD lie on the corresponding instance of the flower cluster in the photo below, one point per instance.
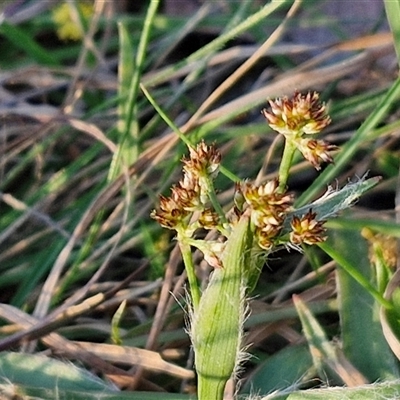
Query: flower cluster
(297, 117)
(307, 229)
(269, 211)
(201, 166)
(188, 208)
(382, 248)
(67, 27)
(190, 195)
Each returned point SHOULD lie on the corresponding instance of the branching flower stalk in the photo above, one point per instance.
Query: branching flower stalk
(297, 119)
(262, 220)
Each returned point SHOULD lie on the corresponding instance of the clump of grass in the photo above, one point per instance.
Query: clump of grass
(262, 221)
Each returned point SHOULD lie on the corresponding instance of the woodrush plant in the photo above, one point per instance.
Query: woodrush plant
(262, 220)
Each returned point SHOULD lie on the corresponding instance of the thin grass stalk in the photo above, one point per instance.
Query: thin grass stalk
(191, 274)
(286, 162)
(195, 74)
(392, 8)
(354, 273)
(219, 42)
(246, 66)
(165, 117)
(128, 150)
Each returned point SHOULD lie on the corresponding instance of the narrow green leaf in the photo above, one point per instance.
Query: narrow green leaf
(334, 201)
(363, 341)
(392, 8)
(115, 323)
(322, 351)
(351, 267)
(387, 390)
(25, 42)
(391, 228)
(128, 150)
(126, 68)
(44, 372)
(276, 373)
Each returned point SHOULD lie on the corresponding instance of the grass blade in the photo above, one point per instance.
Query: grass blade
(392, 8)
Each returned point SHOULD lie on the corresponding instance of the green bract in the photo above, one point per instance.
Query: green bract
(218, 323)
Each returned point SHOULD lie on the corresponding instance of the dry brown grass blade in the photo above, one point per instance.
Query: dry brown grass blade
(21, 136)
(94, 353)
(381, 44)
(24, 244)
(379, 39)
(18, 12)
(161, 312)
(93, 131)
(304, 280)
(29, 212)
(312, 79)
(41, 112)
(68, 312)
(246, 66)
(349, 374)
(146, 359)
(21, 220)
(74, 91)
(57, 342)
(52, 280)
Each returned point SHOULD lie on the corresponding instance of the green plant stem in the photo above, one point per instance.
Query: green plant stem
(287, 157)
(392, 8)
(164, 116)
(189, 267)
(354, 273)
(130, 135)
(229, 174)
(215, 203)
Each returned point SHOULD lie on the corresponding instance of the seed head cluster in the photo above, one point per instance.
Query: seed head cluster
(268, 210)
(307, 229)
(188, 208)
(67, 27)
(382, 248)
(190, 195)
(298, 117)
